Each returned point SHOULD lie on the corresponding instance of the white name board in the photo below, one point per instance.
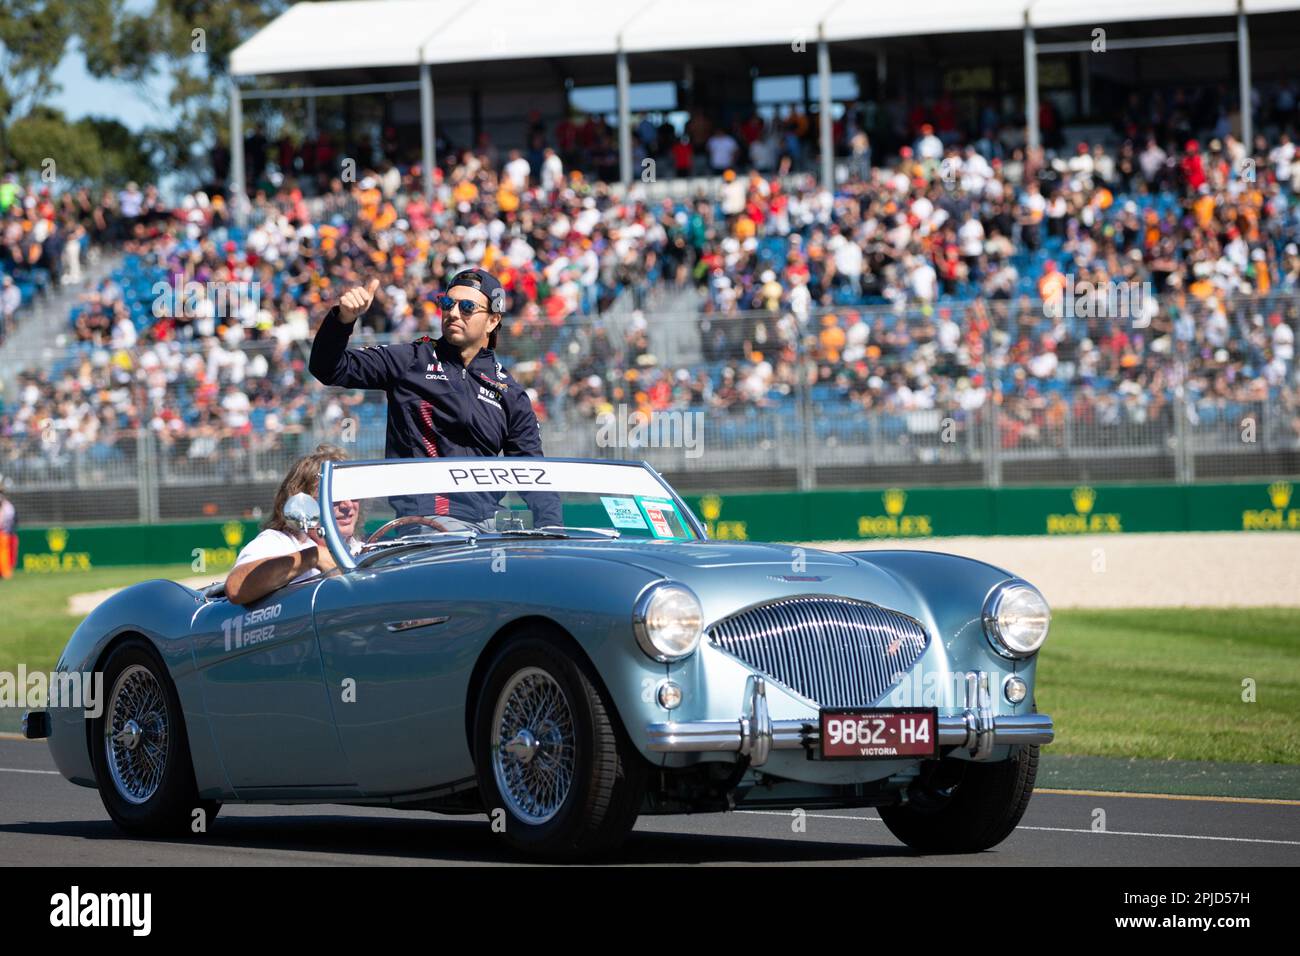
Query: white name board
(444, 476)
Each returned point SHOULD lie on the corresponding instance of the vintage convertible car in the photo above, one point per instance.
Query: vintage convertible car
(567, 677)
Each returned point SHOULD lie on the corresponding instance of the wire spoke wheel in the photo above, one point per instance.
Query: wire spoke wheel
(534, 751)
(136, 734)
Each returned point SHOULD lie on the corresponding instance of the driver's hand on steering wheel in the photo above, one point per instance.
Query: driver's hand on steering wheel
(324, 560)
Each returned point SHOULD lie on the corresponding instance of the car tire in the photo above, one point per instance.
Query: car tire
(139, 748)
(968, 806)
(548, 751)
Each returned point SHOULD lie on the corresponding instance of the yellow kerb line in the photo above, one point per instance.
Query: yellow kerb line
(1168, 796)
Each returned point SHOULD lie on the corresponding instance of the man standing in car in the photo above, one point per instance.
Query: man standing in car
(448, 397)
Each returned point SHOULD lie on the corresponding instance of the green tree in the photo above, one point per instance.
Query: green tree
(194, 40)
(35, 36)
(44, 141)
(185, 42)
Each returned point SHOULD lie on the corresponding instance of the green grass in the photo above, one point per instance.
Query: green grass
(1167, 684)
(33, 608)
(1156, 684)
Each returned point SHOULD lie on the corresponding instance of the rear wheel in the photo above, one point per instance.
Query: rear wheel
(548, 752)
(139, 748)
(962, 806)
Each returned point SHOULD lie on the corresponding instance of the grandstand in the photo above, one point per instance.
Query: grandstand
(945, 314)
(462, 72)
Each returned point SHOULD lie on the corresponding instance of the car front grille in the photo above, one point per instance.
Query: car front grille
(835, 651)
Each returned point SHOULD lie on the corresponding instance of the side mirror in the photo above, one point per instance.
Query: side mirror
(302, 512)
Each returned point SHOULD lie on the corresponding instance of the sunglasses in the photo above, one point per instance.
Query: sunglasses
(467, 308)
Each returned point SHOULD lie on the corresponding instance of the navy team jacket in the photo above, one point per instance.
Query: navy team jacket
(439, 408)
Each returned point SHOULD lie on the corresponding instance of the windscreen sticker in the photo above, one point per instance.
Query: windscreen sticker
(662, 515)
(623, 512)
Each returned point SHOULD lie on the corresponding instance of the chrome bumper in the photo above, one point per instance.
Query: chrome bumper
(755, 734)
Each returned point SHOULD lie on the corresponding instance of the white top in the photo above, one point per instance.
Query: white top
(371, 33)
(272, 544)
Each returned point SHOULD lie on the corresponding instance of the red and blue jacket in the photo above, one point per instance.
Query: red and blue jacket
(439, 407)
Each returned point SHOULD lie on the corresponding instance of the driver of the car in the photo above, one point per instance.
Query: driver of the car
(281, 554)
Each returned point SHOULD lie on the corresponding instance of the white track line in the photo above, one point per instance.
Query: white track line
(832, 816)
(1167, 836)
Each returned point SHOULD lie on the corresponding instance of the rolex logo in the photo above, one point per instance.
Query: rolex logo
(233, 532)
(57, 539)
(1279, 492)
(711, 507)
(1084, 498)
(894, 499)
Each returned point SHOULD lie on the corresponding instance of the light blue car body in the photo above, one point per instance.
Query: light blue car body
(309, 696)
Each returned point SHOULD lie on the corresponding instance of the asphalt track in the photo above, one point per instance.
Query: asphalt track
(44, 820)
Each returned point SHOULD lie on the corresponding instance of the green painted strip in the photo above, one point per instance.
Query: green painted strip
(1183, 777)
(867, 514)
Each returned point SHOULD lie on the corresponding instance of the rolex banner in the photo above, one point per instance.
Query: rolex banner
(903, 513)
(205, 546)
(896, 513)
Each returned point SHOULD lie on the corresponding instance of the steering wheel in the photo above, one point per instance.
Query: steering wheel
(404, 521)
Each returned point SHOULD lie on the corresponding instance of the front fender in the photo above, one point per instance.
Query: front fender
(593, 601)
(160, 611)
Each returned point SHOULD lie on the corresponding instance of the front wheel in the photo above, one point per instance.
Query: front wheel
(964, 807)
(548, 752)
(140, 751)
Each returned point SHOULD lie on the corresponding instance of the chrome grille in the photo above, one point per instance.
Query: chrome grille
(835, 651)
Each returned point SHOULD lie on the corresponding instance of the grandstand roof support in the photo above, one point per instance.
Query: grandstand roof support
(1243, 76)
(624, 118)
(1031, 86)
(827, 142)
(427, 158)
(237, 197)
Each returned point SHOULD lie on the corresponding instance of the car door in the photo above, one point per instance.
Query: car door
(264, 692)
(399, 640)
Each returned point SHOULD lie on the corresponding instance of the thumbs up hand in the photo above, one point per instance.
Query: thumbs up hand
(356, 301)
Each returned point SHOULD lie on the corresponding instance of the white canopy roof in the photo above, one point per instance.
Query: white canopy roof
(378, 33)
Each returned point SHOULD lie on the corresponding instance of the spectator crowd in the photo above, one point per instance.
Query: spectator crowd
(950, 274)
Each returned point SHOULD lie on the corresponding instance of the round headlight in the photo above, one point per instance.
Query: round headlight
(668, 621)
(1016, 620)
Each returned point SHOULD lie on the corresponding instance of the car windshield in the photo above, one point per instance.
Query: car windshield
(394, 502)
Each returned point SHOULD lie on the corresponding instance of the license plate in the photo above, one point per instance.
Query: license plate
(902, 733)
